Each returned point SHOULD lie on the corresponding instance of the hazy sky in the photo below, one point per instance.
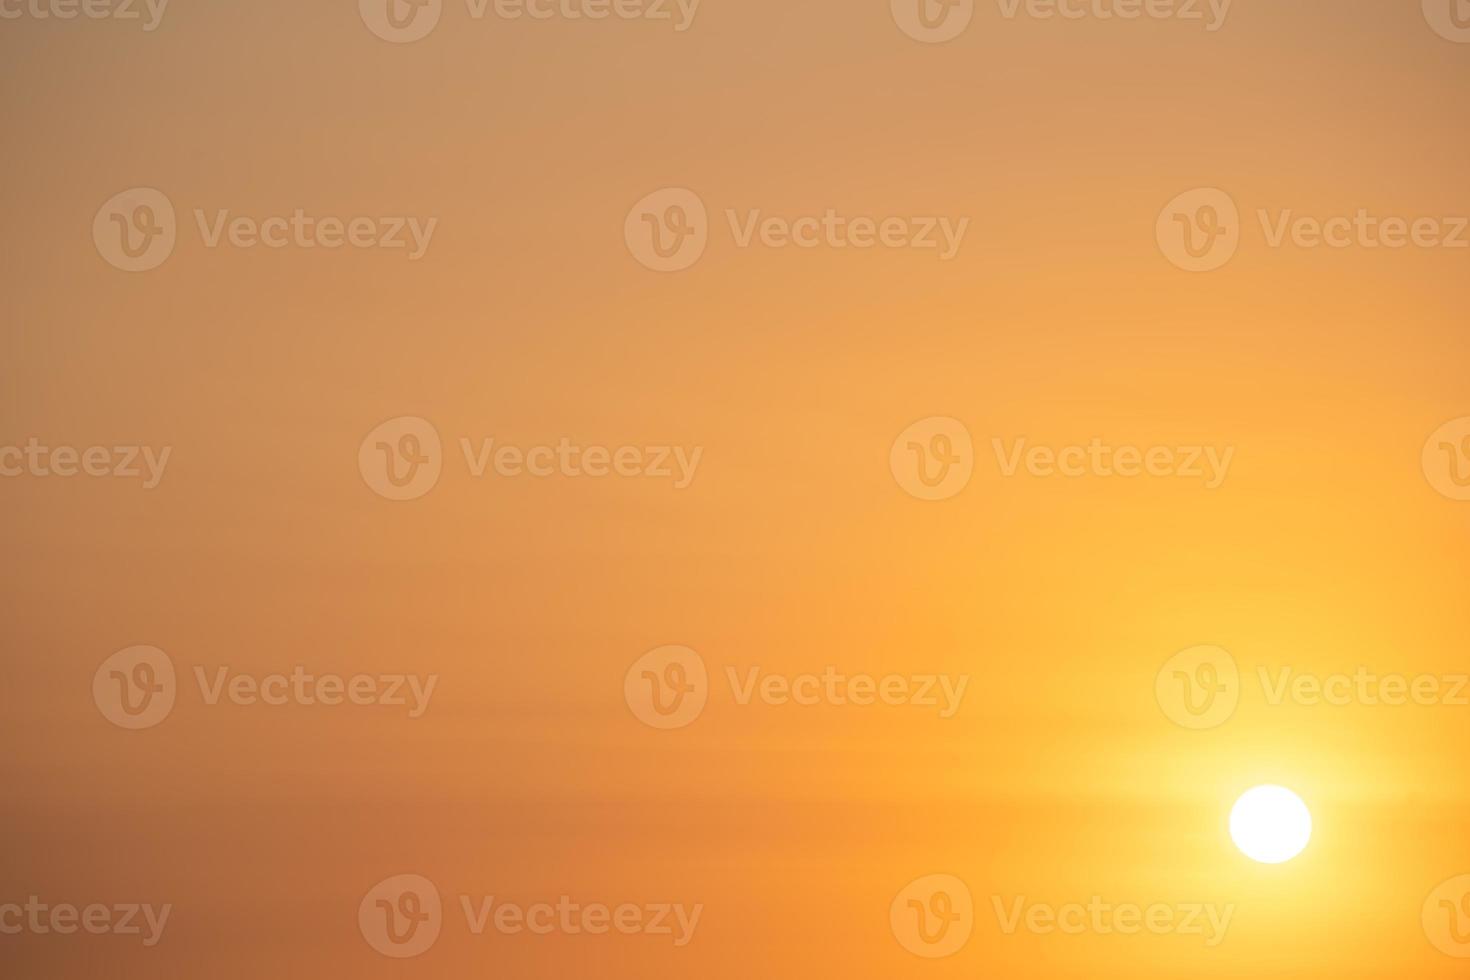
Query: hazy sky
(511, 158)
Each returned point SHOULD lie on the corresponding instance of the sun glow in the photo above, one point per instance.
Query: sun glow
(1270, 824)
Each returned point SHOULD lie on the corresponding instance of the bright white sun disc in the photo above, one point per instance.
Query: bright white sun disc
(1270, 824)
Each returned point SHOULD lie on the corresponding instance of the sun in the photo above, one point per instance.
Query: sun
(1270, 824)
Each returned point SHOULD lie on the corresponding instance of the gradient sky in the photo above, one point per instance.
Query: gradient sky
(528, 321)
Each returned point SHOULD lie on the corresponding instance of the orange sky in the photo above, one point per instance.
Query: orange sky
(791, 548)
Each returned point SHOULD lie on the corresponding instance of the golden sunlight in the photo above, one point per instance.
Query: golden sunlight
(1270, 824)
